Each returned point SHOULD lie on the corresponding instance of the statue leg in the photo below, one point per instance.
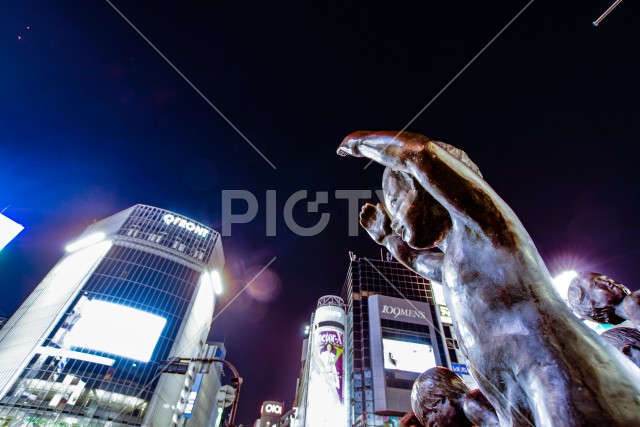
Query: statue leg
(510, 401)
(558, 400)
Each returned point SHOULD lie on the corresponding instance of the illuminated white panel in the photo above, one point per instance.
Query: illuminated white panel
(8, 230)
(407, 356)
(217, 282)
(438, 293)
(51, 351)
(116, 329)
(108, 396)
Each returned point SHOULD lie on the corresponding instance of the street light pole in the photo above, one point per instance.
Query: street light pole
(236, 380)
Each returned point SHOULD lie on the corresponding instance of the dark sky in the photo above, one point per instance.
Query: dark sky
(93, 120)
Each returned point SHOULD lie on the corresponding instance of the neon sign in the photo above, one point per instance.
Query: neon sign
(171, 219)
(272, 408)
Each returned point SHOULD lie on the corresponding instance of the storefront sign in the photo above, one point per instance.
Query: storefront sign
(445, 314)
(459, 368)
(406, 312)
(171, 219)
(402, 310)
(271, 408)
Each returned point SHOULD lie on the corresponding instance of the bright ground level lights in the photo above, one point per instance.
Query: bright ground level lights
(606, 12)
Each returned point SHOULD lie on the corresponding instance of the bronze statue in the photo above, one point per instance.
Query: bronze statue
(536, 363)
(627, 340)
(410, 420)
(599, 298)
(441, 399)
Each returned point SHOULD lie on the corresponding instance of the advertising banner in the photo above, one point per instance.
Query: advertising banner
(326, 382)
(407, 356)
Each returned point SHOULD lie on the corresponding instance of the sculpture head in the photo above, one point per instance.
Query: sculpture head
(437, 398)
(416, 216)
(627, 340)
(595, 297)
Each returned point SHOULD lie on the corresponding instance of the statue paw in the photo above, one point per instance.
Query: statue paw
(375, 220)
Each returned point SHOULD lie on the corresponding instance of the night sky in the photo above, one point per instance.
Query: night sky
(94, 120)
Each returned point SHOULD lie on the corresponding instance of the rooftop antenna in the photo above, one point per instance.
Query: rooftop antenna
(606, 12)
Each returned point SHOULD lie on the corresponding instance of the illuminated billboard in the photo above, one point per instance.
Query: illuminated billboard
(271, 410)
(116, 329)
(326, 382)
(8, 230)
(407, 356)
(326, 387)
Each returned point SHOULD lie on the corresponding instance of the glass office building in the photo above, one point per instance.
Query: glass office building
(84, 348)
(397, 327)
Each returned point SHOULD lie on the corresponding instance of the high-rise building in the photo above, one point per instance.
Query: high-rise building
(84, 348)
(302, 382)
(397, 327)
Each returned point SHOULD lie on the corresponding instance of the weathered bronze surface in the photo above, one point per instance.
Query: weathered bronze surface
(441, 399)
(535, 362)
(600, 299)
(627, 340)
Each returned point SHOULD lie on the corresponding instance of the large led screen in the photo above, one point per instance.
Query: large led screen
(407, 356)
(116, 329)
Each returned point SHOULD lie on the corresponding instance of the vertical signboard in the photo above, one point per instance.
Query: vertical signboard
(443, 310)
(326, 374)
(191, 401)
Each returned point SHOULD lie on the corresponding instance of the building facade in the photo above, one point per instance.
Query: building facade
(84, 348)
(397, 327)
(202, 408)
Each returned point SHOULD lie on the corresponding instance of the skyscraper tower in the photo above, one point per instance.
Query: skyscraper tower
(84, 348)
(398, 326)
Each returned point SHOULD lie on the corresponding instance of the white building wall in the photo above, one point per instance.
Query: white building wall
(43, 309)
(167, 404)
